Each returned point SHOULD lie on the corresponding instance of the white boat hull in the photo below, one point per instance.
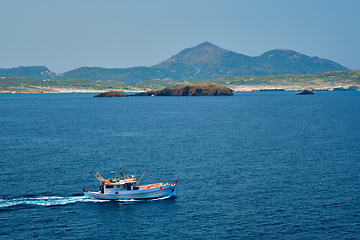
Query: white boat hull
(157, 192)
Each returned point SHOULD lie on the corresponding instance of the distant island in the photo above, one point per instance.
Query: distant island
(206, 63)
(203, 61)
(178, 90)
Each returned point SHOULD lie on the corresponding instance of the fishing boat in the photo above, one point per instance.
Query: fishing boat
(125, 188)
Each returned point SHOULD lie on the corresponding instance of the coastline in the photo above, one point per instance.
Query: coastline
(244, 88)
(236, 88)
(338, 80)
(71, 90)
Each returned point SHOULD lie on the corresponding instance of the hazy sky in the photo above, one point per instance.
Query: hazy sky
(67, 34)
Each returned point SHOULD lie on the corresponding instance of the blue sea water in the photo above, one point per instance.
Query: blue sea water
(258, 165)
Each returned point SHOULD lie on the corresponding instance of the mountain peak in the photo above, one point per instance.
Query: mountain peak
(206, 44)
(208, 47)
(201, 53)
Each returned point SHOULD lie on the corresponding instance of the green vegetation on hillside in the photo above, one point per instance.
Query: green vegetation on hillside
(327, 80)
(20, 84)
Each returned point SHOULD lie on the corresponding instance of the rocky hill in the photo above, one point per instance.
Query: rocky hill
(36, 72)
(208, 61)
(284, 61)
(127, 75)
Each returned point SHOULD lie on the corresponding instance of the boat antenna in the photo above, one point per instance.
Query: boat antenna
(139, 178)
(122, 173)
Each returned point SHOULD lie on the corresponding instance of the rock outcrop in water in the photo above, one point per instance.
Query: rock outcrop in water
(112, 94)
(190, 90)
(305, 92)
(178, 90)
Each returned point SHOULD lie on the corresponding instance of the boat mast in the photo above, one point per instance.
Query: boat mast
(140, 178)
(122, 173)
(99, 177)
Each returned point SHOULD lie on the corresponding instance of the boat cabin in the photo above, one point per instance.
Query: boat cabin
(114, 186)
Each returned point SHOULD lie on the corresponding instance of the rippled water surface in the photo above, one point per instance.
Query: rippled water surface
(255, 165)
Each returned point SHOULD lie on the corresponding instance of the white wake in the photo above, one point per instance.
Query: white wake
(56, 200)
(44, 201)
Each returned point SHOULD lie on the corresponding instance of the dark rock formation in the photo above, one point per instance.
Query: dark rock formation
(353, 88)
(272, 89)
(178, 90)
(190, 90)
(112, 94)
(305, 92)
